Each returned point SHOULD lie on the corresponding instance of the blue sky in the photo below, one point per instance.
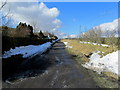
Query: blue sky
(84, 14)
(73, 15)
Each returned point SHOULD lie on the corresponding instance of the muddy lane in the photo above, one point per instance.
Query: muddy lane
(64, 72)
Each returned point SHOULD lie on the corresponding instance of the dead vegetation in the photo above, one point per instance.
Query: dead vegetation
(82, 52)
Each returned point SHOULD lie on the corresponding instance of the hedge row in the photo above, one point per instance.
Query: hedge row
(12, 42)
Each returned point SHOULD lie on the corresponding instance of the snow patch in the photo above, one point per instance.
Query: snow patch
(28, 51)
(107, 63)
(66, 43)
(104, 45)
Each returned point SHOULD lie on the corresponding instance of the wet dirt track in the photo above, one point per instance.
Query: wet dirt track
(63, 72)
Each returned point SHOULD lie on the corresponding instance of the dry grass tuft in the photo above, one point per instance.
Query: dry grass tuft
(88, 48)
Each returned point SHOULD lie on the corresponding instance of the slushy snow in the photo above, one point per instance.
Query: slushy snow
(104, 45)
(108, 63)
(66, 43)
(28, 51)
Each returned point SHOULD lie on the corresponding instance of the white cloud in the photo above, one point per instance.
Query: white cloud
(38, 15)
(71, 36)
(109, 27)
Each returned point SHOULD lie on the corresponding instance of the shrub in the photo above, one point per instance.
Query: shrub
(12, 42)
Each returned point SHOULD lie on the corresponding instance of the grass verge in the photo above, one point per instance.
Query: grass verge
(88, 48)
(104, 80)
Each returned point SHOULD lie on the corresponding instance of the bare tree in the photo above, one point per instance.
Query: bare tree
(110, 37)
(2, 5)
(6, 17)
(82, 33)
(34, 24)
(93, 35)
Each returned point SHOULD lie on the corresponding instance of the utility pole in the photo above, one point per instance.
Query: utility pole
(80, 31)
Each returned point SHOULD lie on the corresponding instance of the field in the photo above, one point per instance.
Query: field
(88, 48)
(79, 51)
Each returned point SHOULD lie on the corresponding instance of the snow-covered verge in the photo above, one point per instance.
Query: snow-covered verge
(66, 43)
(55, 40)
(28, 51)
(108, 63)
(104, 45)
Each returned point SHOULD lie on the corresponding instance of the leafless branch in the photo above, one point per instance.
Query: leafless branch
(3, 4)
